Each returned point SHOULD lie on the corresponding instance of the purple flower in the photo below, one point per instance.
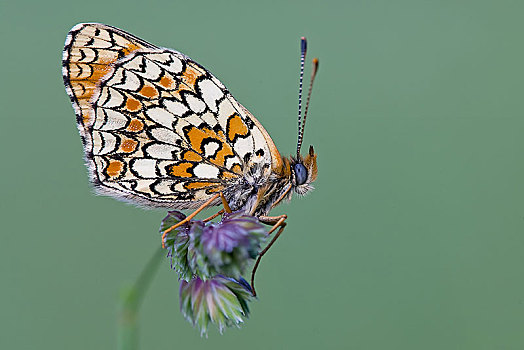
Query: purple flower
(208, 249)
(203, 254)
(233, 243)
(219, 300)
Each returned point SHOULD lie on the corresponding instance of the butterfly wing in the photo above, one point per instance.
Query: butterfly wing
(158, 129)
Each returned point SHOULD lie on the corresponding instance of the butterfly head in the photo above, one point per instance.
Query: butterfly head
(303, 172)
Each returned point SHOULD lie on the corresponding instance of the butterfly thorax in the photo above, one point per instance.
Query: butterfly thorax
(258, 190)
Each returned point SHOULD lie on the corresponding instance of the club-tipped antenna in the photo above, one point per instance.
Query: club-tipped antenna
(303, 49)
(313, 75)
(302, 123)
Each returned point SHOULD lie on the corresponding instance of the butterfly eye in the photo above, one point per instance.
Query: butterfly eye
(300, 174)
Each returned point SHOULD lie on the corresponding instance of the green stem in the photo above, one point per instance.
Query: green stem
(131, 301)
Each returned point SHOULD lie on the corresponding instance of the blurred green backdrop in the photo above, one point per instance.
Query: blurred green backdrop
(413, 238)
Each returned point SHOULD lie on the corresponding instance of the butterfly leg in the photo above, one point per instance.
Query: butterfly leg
(226, 209)
(198, 210)
(188, 218)
(220, 212)
(279, 223)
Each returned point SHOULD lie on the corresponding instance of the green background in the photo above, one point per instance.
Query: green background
(413, 238)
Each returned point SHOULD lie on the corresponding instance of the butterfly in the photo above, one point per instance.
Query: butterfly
(159, 130)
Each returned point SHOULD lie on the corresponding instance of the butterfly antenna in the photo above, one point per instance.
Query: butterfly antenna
(313, 75)
(303, 48)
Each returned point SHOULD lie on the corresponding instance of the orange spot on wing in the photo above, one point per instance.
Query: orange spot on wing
(189, 77)
(85, 117)
(228, 175)
(236, 127)
(167, 82)
(196, 136)
(181, 170)
(135, 125)
(192, 156)
(148, 91)
(187, 80)
(133, 104)
(128, 145)
(114, 168)
(197, 185)
(236, 169)
(130, 48)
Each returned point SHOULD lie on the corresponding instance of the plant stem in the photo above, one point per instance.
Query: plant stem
(130, 304)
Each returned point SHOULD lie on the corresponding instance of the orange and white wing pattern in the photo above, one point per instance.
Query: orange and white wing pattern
(158, 129)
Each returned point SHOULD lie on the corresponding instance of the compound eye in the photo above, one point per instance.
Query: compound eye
(300, 174)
